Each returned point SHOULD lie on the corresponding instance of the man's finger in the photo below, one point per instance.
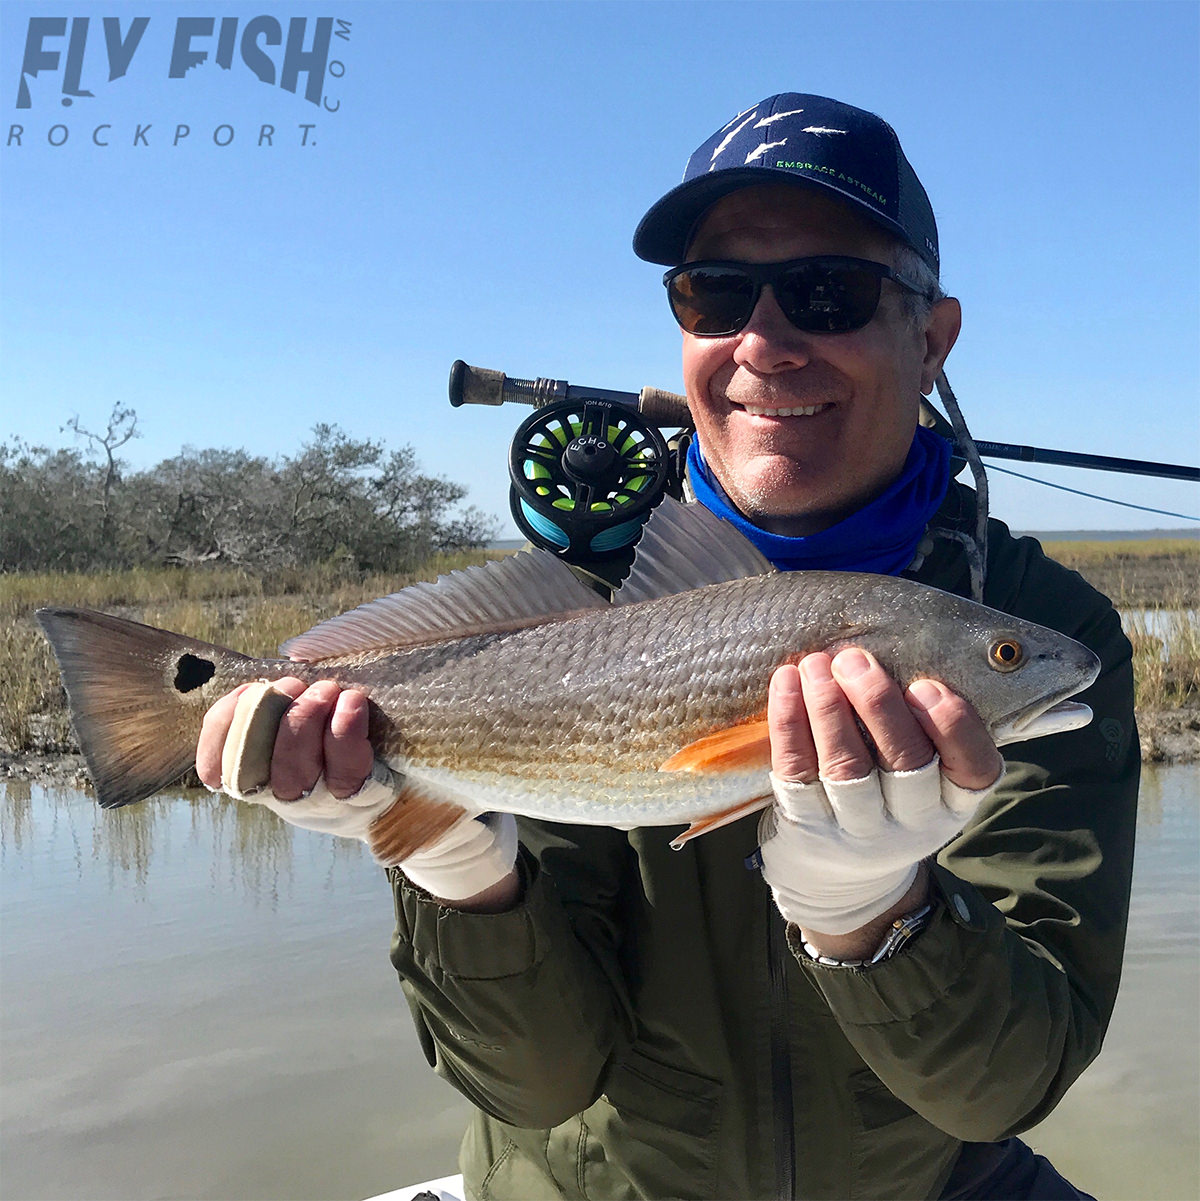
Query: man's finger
(900, 742)
(299, 757)
(793, 755)
(210, 748)
(348, 754)
(250, 742)
(969, 757)
(211, 744)
(841, 751)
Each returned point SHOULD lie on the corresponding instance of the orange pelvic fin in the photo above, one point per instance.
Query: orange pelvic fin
(738, 748)
(413, 822)
(706, 825)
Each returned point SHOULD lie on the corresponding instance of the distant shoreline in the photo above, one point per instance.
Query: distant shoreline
(1187, 532)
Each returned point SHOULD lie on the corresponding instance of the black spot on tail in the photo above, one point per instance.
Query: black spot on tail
(191, 672)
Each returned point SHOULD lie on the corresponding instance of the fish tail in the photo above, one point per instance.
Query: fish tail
(137, 697)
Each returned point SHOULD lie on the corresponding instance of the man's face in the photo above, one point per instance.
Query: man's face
(859, 391)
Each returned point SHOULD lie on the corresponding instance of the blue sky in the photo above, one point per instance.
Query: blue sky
(474, 195)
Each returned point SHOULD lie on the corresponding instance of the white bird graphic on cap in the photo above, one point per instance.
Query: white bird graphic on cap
(733, 133)
(759, 151)
(778, 117)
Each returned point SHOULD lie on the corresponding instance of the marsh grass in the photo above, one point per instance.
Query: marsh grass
(1166, 657)
(255, 614)
(1155, 584)
(1135, 549)
(31, 699)
(248, 613)
(1158, 573)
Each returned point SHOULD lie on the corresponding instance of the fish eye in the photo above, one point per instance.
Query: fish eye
(1006, 654)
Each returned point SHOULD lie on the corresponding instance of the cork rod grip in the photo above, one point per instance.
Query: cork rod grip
(663, 408)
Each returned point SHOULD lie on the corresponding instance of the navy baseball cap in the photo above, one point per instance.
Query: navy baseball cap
(800, 139)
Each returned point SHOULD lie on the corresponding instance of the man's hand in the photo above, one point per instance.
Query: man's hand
(324, 777)
(843, 846)
(323, 733)
(812, 710)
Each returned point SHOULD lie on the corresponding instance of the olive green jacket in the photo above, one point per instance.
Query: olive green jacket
(639, 1027)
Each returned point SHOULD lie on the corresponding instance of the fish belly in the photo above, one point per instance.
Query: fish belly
(622, 800)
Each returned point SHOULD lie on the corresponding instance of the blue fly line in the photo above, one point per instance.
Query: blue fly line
(1092, 496)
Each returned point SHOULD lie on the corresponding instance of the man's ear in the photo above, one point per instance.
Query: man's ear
(941, 332)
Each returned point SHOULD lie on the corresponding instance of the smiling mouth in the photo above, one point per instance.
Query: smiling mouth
(796, 411)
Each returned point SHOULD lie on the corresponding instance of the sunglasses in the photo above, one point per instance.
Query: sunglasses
(830, 294)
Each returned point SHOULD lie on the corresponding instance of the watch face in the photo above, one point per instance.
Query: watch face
(900, 933)
(903, 931)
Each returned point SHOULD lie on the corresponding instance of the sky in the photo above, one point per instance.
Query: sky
(466, 182)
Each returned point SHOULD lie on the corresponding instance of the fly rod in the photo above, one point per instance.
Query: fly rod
(1070, 458)
(479, 385)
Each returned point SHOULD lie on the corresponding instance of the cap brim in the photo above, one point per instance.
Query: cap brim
(663, 234)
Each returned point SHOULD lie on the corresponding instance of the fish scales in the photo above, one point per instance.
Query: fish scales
(580, 714)
(637, 682)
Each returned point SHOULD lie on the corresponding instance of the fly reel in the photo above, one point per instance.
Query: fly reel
(585, 475)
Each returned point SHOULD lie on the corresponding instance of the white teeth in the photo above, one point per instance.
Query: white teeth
(805, 411)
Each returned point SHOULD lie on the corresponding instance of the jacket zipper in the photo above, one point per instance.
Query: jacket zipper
(781, 1061)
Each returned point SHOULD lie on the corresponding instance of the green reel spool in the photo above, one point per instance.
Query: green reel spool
(585, 475)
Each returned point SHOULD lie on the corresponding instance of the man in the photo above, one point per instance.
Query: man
(884, 1017)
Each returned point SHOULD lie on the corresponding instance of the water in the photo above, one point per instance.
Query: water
(1167, 625)
(197, 1003)
(1129, 1127)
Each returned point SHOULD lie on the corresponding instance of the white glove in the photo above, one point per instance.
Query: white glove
(837, 853)
(246, 772)
(474, 854)
(320, 810)
(469, 857)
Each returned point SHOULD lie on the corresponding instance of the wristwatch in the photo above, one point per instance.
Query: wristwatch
(899, 934)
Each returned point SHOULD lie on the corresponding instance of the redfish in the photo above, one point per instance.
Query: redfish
(515, 687)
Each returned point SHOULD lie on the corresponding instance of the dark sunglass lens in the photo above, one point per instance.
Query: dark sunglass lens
(828, 300)
(711, 301)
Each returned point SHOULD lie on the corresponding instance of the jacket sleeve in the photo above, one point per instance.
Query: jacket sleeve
(522, 1010)
(988, 1016)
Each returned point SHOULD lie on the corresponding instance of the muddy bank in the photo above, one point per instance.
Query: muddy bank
(1171, 736)
(58, 769)
(62, 771)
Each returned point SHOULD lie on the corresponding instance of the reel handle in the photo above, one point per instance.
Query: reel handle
(483, 386)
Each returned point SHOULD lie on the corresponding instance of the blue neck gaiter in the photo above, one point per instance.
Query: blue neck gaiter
(882, 537)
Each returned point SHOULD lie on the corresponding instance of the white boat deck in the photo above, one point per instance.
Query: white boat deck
(446, 1188)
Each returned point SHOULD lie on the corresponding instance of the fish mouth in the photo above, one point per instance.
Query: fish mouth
(1036, 723)
(1053, 714)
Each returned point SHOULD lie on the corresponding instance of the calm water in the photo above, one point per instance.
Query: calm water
(1167, 625)
(197, 1003)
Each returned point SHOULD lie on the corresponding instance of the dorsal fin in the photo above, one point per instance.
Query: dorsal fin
(521, 590)
(684, 547)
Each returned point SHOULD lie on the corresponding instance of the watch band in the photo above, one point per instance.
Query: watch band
(899, 934)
